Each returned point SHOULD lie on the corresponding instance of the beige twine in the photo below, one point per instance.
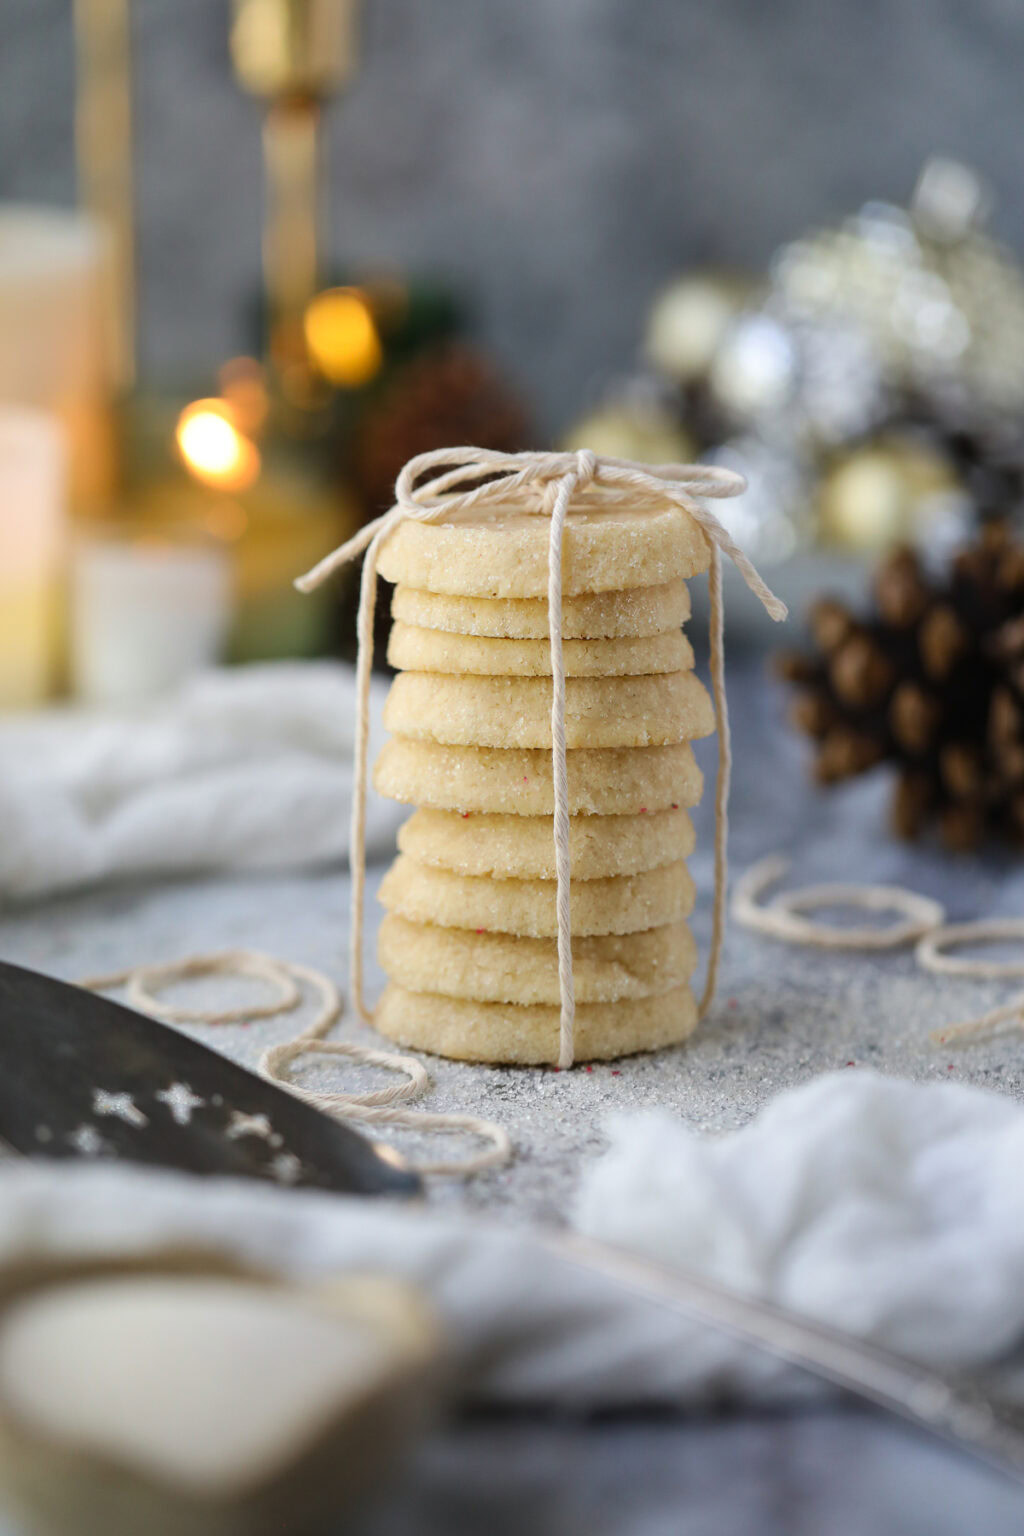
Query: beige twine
(930, 956)
(924, 927)
(379, 1106)
(445, 484)
(781, 917)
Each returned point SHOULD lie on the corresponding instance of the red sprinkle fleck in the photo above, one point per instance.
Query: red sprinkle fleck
(465, 815)
(480, 930)
(590, 1069)
(525, 779)
(950, 1067)
(643, 810)
(851, 1063)
(675, 805)
(616, 1072)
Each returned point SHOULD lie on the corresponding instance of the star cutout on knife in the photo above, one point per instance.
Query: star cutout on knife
(286, 1168)
(121, 1105)
(248, 1125)
(181, 1101)
(87, 1141)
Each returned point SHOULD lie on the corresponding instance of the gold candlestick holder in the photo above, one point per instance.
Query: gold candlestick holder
(250, 466)
(104, 156)
(293, 55)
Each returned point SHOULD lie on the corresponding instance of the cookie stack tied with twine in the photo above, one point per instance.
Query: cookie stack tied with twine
(542, 721)
(470, 939)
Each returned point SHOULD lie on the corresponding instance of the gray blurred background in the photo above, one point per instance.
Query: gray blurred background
(557, 158)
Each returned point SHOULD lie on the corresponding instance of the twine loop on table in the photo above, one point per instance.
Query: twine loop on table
(924, 926)
(931, 950)
(451, 482)
(378, 1106)
(930, 956)
(782, 917)
(142, 982)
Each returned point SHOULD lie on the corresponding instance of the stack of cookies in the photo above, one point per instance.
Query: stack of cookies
(468, 942)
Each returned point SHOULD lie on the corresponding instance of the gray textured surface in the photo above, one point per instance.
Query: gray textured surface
(783, 1014)
(824, 1474)
(557, 158)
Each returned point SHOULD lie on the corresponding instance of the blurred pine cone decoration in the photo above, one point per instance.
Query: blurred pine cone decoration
(932, 681)
(443, 398)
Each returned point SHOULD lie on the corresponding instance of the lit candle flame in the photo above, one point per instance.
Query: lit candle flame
(212, 447)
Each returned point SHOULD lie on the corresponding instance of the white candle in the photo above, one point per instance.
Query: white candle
(56, 344)
(145, 614)
(32, 534)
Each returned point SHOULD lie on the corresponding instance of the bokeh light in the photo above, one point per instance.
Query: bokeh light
(342, 337)
(242, 382)
(213, 448)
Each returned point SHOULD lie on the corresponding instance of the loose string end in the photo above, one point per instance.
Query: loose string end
(344, 554)
(1007, 1019)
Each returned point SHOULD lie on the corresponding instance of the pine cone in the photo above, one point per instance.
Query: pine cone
(932, 681)
(442, 398)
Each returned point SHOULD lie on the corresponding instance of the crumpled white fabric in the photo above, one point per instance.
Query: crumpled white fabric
(893, 1209)
(244, 768)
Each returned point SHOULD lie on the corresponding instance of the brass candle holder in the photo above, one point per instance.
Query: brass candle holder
(104, 156)
(248, 465)
(293, 55)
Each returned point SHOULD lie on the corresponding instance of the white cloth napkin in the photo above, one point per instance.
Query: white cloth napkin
(893, 1209)
(242, 769)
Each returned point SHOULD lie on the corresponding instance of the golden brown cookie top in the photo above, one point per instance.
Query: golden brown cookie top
(505, 554)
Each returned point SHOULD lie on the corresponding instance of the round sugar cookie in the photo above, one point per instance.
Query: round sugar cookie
(612, 781)
(522, 847)
(506, 555)
(529, 1036)
(620, 904)
(635, 612)
(502, 968)
(516, 711)
(411, 649)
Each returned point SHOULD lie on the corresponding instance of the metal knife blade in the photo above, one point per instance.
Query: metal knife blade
(81, 1076)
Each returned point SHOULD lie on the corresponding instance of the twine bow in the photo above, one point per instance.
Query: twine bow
(450, 482)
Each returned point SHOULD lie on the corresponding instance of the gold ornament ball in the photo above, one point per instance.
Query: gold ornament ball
(689, 319)
(647, 434)
(884, 492)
